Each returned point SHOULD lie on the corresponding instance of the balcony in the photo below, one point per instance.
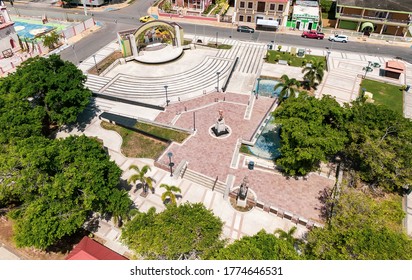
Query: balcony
(358, 17)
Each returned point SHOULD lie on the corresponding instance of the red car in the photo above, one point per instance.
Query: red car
(313, 34)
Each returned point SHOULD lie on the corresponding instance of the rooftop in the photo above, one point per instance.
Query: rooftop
(88, 249)
(393, 5)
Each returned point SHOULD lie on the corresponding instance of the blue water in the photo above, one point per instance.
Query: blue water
(266, 88)
(268, 142)
(30, 30)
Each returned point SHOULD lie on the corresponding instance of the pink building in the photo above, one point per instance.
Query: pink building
(8, 36)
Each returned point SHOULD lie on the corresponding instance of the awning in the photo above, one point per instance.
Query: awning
(367, 24)
(267, 22)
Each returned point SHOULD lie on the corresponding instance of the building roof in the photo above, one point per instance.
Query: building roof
(392, 5)
(306, 10)
(395, 66)
(88, 249)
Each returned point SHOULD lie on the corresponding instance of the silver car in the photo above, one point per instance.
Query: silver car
(339, 38)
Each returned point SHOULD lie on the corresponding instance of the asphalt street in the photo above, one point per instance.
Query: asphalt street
(128, 17)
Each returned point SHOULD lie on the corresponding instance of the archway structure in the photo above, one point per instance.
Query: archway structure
(156, 41)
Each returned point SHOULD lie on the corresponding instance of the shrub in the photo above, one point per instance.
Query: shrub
(279, 48)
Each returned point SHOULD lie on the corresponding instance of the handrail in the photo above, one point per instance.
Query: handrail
(214, 184)
(230, 74)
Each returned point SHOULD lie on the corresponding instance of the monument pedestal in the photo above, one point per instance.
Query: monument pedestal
(241, 202)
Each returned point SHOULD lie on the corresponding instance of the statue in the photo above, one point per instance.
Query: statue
(220, 127)
(244, 187)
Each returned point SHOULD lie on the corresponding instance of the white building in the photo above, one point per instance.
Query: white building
(8, 36)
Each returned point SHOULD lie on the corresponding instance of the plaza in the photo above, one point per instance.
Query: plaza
(215, 166)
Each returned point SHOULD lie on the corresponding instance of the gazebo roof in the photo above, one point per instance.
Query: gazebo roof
(395, 66)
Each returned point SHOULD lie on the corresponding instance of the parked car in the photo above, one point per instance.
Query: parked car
(246, 29)
(313, 34)
(146, 19)
(339, 38)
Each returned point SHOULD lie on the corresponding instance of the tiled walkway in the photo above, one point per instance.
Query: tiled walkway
(212, 157)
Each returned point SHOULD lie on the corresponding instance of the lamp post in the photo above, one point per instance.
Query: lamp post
(167, 99)
(217, 88)
(75, 54)
(171, 164)
(363, 93)
(257, 89)
(217, 35)
(95, 64)
(370, 67)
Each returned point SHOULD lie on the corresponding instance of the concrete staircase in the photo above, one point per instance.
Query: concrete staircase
(204, 181)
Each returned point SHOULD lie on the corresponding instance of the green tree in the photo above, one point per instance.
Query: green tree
(261, 246)
(288, 87)
(380, 147)
(362, 228)
(170, 193)
(288, 236)
(52, 84)
(51, 40)
(187, 231)
(312, 130)
(314, 73)
(146, 181)
(120, 206)
(54, 184)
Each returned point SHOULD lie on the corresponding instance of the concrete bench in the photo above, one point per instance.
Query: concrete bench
(283, 62)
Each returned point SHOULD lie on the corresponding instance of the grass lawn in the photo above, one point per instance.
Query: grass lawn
(385, 94)
(161, 132)
(219, 46)
(136, 144)
(274, 55)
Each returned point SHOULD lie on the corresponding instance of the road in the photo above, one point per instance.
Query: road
(128, 18)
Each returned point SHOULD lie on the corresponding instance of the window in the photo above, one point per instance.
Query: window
(250, 5)
(249, 19)
(241, 18)
(261, 7)
(272, 7)
(280, 8)
(242, 4)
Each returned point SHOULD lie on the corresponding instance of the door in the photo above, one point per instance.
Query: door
(297, 25)
(310, 25)
(12, 44)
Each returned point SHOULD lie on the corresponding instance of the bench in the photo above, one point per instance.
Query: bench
(283, 62)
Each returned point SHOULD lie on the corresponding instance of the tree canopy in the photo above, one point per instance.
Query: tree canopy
(372, 140)
(55, 184)
(380, 146)
(261, 246)
(362, 228)
(311, 131)
(42, 91)
(187, 231)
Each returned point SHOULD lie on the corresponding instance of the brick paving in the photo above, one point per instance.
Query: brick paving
(212, 156)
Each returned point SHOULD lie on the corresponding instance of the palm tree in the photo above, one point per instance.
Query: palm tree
(288, 87)
(170, 193)
(146, 181)
(288, 236)
(314, 73)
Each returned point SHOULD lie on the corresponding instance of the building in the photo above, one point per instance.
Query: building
(390, 17)
(305, 15)
(8, 36)
(88, 249)
(270, 13)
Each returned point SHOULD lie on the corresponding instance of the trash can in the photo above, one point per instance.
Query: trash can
(251, 165)
(407, 88)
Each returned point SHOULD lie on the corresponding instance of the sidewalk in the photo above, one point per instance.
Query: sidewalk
(236, 224)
